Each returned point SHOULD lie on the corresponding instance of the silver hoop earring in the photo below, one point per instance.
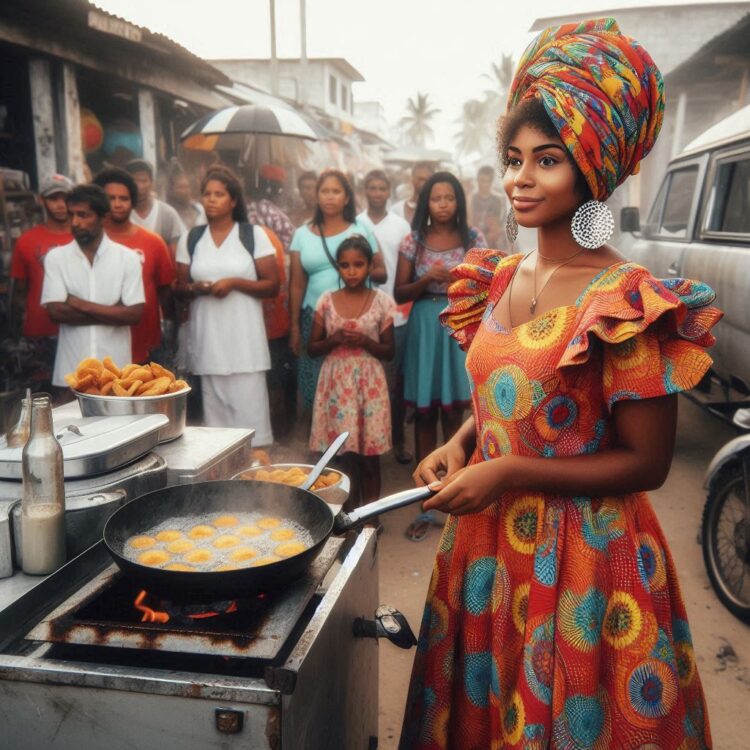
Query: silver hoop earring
(592, 224)
(511, 226)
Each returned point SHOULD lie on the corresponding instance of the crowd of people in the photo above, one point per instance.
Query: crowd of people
(252, 303)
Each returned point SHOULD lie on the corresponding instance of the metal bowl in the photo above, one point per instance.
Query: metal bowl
(333, 493)
(174, 405)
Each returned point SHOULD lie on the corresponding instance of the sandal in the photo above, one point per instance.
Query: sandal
(416, 531)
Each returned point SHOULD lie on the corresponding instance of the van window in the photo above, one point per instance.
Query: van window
(730, 196)
(678, 200)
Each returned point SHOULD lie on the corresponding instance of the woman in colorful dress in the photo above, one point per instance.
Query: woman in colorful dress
(313, 268)
(435, 381)
(554, 617)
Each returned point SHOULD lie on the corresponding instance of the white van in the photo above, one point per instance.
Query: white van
(699, 228)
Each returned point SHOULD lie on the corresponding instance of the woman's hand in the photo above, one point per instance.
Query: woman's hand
(201, 288)
(222, 288)
(439, 274)
(470, 489)
(445, 460)
(353, 339)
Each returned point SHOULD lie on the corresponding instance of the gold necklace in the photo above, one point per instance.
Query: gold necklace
(535, 297)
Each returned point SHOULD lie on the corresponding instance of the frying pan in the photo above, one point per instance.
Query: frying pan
(191, 501)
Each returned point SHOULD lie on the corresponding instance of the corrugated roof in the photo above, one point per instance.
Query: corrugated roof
(74, 17)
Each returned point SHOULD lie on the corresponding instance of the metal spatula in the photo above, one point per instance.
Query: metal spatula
(330, 452)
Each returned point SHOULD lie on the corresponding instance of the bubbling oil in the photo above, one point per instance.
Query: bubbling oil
(218, 542)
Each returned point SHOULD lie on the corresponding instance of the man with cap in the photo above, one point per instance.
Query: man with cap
(27, 268)
(151, 213)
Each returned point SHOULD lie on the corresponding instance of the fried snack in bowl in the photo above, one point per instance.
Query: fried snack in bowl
(105, 390)
(329, 485)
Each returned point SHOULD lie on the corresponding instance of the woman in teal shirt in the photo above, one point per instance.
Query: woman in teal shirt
(313, 267)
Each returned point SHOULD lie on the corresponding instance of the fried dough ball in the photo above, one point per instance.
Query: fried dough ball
(264, 561)
(168, 535)
(225, 567)
(153, 557)
(269, 523)
(288, 549)
(243, 554)
(283, 535)
(142, 542)
(180, 546)
(199, 556)
(181, 567)
(226, 521)
(201, 531)
(225, 541)
(249, 531)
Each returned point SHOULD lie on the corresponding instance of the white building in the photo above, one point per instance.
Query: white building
(321, 82)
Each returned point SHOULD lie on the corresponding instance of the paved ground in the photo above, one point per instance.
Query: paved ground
(405, 569)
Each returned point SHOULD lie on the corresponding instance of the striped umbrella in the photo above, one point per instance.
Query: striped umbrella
(227, 128)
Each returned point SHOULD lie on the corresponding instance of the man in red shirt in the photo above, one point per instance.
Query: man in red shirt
(27, 270)
(156, 262)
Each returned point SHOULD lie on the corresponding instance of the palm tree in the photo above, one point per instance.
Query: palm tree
(474, 136)
(501, 76)
(416, 122)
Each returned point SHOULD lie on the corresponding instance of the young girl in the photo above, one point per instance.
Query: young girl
(554, 617)
(353, 329)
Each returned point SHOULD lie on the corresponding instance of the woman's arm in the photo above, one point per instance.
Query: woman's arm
(267, 284)
(404, 289)
(297, 289)
(639, 460)
(378, 272)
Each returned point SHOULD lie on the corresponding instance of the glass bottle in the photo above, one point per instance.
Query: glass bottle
(43, 504)
(17, 435)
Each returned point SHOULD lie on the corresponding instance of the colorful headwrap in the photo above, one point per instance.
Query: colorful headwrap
(603, 93)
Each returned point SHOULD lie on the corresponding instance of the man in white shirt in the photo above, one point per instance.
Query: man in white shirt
(151, 213)
(420, 173)
(92, 287)
(389, 230)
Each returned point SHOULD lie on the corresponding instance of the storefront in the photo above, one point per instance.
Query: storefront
(104, 93)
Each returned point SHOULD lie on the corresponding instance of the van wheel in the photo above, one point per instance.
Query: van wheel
(725, 535)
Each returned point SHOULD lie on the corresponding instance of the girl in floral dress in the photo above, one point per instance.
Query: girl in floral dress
(353, 328)
(554, 619)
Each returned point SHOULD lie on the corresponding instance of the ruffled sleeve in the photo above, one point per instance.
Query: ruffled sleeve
(467, 295)
(654, 333)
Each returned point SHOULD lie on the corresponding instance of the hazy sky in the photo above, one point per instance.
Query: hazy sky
(441, 47)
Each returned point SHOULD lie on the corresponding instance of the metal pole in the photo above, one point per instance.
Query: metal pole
(274, 59)
(303, 31)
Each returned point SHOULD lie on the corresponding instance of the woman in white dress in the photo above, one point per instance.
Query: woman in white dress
(226, 282)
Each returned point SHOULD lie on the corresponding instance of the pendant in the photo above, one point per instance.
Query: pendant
(532, 306)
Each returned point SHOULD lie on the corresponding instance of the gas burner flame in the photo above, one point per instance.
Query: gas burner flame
(149, 615)
(156, 615)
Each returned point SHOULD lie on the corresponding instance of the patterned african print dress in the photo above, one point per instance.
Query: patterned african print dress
(551, 621)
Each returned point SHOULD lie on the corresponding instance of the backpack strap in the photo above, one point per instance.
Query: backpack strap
(247, 238)
(193, 238)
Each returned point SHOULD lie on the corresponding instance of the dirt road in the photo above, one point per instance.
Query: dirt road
(722, 643)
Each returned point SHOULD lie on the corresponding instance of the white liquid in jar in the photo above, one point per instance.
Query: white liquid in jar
(42, 539)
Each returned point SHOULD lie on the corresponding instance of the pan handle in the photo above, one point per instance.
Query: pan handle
(346, 521)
